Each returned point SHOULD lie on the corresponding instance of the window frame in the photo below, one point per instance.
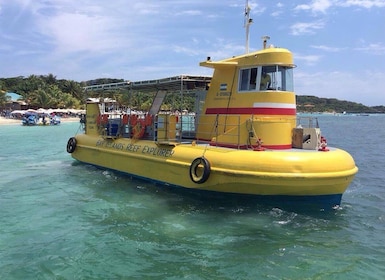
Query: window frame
(281, 79)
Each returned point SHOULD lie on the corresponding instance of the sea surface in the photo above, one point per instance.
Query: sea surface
(60, 219)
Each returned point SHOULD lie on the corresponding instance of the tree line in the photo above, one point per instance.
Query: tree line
(307, 103)
(49, 92)
(46, 91)
(43, 91)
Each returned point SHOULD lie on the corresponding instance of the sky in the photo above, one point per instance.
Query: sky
(338, 45)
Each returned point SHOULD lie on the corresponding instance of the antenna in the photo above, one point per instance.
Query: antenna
(247, 23)
(264, 41)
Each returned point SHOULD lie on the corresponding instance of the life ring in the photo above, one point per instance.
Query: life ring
(71, 145)
(196, 174)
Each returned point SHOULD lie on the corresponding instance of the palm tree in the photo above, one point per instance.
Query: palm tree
(74, 89)
(3, 98)
(40, 98)
(49, 79)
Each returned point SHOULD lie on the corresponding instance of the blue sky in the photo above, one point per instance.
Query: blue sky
(338, 45)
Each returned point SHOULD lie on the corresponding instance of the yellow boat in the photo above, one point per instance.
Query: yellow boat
(244, 137)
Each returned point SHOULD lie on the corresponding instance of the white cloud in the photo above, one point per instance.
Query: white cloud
(373, 48)
(278, 10)
(316, 6)
(327, 48)
(362, 3)
(307, 59)
(301, 28)
(276, 13)
(322, 6)
(190, 13)
(186, 50)
(81, 33)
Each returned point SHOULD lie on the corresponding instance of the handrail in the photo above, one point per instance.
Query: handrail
(307, 122)
(183, 127)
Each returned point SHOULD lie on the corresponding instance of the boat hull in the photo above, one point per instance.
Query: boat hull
(286, 173)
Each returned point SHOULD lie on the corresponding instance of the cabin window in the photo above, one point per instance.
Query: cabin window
(264, 78)
(287, 78)
(248, 78)
(281, 77)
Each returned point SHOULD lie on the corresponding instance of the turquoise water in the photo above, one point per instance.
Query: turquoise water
(63, 220)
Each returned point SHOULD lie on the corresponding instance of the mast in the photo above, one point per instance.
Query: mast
(248, 21)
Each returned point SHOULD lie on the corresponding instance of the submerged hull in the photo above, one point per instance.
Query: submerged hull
(289, 174)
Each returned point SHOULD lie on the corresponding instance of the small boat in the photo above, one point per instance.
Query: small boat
(244, 138)
(54, 120)
(30, 119)
(35, 119)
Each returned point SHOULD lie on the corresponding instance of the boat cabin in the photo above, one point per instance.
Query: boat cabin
(248, 103)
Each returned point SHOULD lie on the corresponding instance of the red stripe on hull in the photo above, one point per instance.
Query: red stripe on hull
(278, 147)
(252, 111)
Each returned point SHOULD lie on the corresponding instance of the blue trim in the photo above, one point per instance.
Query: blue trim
(305, 203)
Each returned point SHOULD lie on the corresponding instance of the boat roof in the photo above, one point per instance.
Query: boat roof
(171, 84)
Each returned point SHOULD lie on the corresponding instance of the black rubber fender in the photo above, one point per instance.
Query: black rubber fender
(71, 145)
(202, 176)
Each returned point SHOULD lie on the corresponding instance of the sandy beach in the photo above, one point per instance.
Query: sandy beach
(5, 121)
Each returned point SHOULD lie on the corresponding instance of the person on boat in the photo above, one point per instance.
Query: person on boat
(265, 81)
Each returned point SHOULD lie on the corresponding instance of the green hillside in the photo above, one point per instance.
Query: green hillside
(306, 103)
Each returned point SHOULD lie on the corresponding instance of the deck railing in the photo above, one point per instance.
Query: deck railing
(307, 122)
(183, 128)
